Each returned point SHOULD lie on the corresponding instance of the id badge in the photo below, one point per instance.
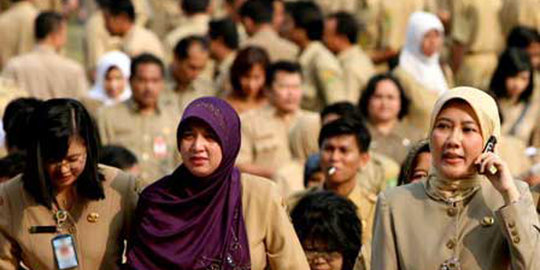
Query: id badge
(65, 254)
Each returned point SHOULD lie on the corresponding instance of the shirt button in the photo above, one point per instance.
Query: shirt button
(514, 233)
(451, 244)
(511, 224)
(516, 240)
(451, 211)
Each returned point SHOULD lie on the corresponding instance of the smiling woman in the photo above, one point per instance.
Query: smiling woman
(475, 217)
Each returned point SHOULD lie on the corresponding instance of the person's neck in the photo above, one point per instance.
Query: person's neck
(385, 127)
(263, 27)
(48, 43)
(344, 46)
(147, 110)
(342, 189)
(65, 197)
(223, 54)
(181, 86)
(285, 115)
(127, 27)
(303, 44)
(514, 99)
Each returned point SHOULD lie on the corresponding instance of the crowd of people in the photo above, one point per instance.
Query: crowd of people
(270, 134)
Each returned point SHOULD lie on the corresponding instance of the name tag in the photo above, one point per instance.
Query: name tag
(64, 251)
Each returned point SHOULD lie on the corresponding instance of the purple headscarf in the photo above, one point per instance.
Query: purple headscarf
(186, 222)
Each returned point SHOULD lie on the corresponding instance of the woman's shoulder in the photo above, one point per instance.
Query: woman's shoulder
(256, 183)
(116, 179)
(11, 187)
(406, 193)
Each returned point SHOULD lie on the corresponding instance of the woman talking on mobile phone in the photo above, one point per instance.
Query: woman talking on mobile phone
(473, 214)
(64, 211)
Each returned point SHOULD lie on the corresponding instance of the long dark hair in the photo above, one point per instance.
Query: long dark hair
(245, 60)
(511, 62)
(372, 87)
(52, 125)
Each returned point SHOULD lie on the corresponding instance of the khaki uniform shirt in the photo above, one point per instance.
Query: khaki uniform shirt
(200, 87)
(44, 74)
(152, 138)
(99, 227)
(512, 151)
(140, 40)
(272, 239)
(167, 15)
(394, 20)
(222, 80)
(289, 178)
(277, 47)
(17, 31)
(97, 40)
(331, 6)
(304, 137)
(323, 77)
(520, 13)
(480, 231)
(379, 173)
(396, 143)
(536, 197)
(520, 119)
(476, 24)
(357, 69)
(45, 5)
(196, 25)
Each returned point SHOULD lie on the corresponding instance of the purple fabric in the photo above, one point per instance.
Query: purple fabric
(186, 222)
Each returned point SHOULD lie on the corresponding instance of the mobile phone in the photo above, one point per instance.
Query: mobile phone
(490, 144)
(64, 251)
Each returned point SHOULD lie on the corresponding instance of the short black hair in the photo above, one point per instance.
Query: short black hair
(283, 66)
(346, 25)
(226, 30)
(511, 62)
(342, 109)
(12, 165)
(119, 7)
(245, 60)
(260, 11)
(117, 156)
(145, 58)
(347, 126)
(181, 50)
(309, 17)
(323, 216)
(16, 122)
(53, 124)
(194, 6)
(102, 3)
(522, 37)
(46, 23)
(372, 87)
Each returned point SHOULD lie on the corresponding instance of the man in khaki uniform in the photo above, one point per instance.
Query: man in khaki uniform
(265, 131)
(166, 16)
(190, 59)
(323, 75)
(195, 22)
(146, 123)
(256, 16)
(477, 39)
(17, 30)
(520, 13)
(340, 35)
(120, 18)
(48, 5)
(44, 73)
(223, 45)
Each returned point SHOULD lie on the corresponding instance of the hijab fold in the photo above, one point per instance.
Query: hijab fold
(425, 70)
(188, 222)
(485, 108)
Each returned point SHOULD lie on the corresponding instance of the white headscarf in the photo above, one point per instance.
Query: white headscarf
(111, 59)
(426, 70)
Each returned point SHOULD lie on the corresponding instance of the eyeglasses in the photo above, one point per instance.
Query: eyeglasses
(328, 256)
(71, 162)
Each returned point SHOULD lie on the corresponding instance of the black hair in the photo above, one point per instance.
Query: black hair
(225, 29)
(331, 219)
(53, 124)
(46, 23)
(511, 62)
(311, 166)
(117, 156)
(102, 3)
(12, 165)
(181, 50)
(245, 60)
(119, 7)
(259, 11)
(406, 170)
(16, 122)
(372, 87)
(309, 17)
(283, 66)
(522, 37)
(347, 126)
(145, 58)
(346, 25)
(194, 6)
(342, 109)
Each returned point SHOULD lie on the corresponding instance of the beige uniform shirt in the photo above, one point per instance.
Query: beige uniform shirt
(195, 25)
(152, 138)
(44, 74)
(222, 80)
(97, 40)
(520, 119)
(265, 137)
(394, 20)
(167, 15)
(277, 47)
(395, 144)
(476, 24)
(512, 150)
(98, 227)
(140, 40)
(323, 77)
(413, 231)
(357, 69)
(46, 5)
(536, 197)
(17, 31)
(331, 6)
(200, 87)
(379, 173)
(520, 13)
(272, 240)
